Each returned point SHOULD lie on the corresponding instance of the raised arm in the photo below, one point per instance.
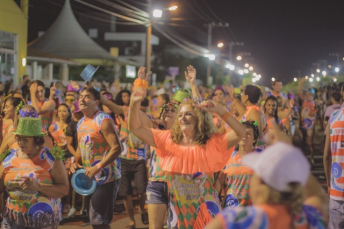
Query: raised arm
(143, 133)
(239, 131)
(284, 114)
(47, 106)
(239, 106)
(190, 76)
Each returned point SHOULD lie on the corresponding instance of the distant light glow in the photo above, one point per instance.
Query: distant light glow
(247, 65)
(254, 80)
(318, 70)
(334, 79)
(336, 69)
(306, 77)
(211, 57)
(173, 8)
(254, 74)
(239, 58)
(241, 72)
(329, 66)
(220, 45)
(207, 55)
(310, 79)
(312, 75)
(295, 79)
(246, 71)
(318, 78)
(231, 67)
(273, 79)
(324, 73)
(157, 13)
(250, 68)
(24, 62)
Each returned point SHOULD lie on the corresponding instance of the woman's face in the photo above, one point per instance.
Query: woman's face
(9, 110)
(160, 101)
(62, 113)
(270, 107)
(170, 113)
(26, 144)
(187, 118)
(125, 98)
(309, 96)
(248, 139)
(244, 97)
(218, 96)
(107, 110)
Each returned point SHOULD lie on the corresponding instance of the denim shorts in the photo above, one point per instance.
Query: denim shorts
(100, 203)
(336, 212)
(157, 192)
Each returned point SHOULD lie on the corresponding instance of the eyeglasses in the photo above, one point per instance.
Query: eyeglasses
(164, 107)
(22, 139)
(69, 100)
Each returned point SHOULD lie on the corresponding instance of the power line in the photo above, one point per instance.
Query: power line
(212, 12)
(195, 11)
(144, 13)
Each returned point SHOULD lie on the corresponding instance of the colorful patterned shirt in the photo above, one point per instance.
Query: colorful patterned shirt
(155, 171)
(32, 205)
(337, 152)
(58, 135)
(94, 147)
(134, 148)
(308, 119)
(46, 118)
(237, 182)
(270, 217)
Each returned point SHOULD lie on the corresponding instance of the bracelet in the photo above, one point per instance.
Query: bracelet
(226, 115)
(99, 166)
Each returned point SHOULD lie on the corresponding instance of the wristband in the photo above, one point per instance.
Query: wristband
(99, 166)
(226, 115)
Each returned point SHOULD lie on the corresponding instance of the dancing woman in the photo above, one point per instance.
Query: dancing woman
(190, 153)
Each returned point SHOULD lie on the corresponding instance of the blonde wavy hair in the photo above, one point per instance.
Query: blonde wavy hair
(205, 126)
(293, 199)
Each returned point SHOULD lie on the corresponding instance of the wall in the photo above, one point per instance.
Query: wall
(14, 20)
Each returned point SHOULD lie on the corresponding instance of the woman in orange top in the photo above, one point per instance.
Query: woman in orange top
(190, 153)
(34, 178)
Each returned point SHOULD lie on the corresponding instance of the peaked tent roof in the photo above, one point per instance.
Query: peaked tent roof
(67, 39)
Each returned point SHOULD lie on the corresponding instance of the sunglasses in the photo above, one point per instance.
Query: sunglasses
(70, 100)
(166, 109)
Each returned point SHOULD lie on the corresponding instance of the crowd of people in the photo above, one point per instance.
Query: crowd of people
(196, 158)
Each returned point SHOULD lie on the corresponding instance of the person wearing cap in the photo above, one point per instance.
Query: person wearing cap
(44, 107)
(235, 176)
(333, 165)
(98, 151)
(190, 153)
(34, 178)
(283, 192)
(308, 115)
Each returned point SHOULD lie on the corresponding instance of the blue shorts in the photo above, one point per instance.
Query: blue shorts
(100, 203)
(157, 192)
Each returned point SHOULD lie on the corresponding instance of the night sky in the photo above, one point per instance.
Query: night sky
(284, 37)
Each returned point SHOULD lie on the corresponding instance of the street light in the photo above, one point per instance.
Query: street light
(318, 78)
(220, 45)
(246, 71)
(310, 79)
(306, 77)
(295, 79)
(336, 69)
(318, 70)
(324, 73)
(273, 79)
(254, 80)
(312, 75)
(247, 65)
(173, 8)
(250, 68)
(239, 58)
(157, 13)
(211, 57)
(230, 66)
(334, 79)
(254, 74)
(241, 72)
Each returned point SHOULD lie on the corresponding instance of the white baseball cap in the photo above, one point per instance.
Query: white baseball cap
(279, 165)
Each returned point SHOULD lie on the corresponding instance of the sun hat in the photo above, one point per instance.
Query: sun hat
(82, 184)
(88, 72)
(278, 165)
(180, 95)
(29, 127)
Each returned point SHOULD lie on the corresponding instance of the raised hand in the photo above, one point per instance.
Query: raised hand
(75, 85)
(232, 92)
(303, 80)
(190, 75)
(141, 74)
(53, 90)
(33, 88)
(212, 107)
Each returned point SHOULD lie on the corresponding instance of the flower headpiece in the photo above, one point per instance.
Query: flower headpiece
(142, 83)
(255, 123)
